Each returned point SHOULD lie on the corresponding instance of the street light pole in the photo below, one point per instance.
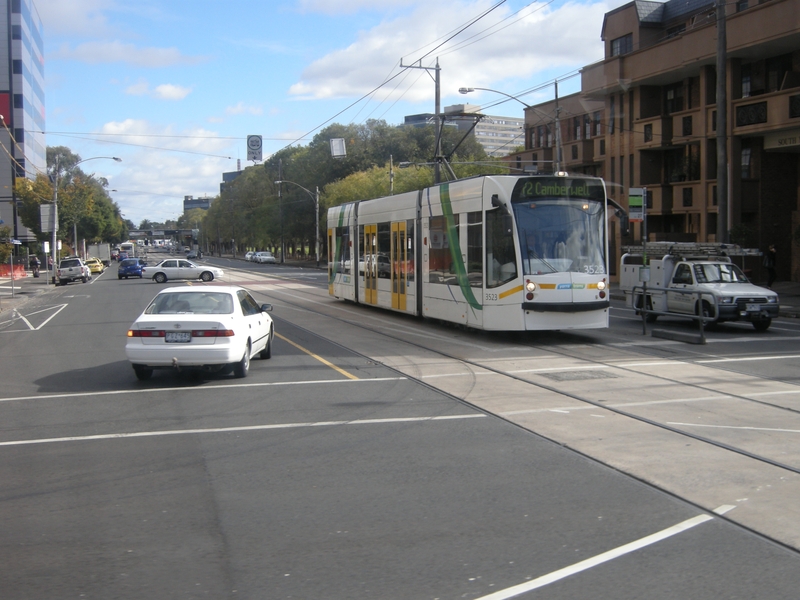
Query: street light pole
(556, 120)
(314, 196)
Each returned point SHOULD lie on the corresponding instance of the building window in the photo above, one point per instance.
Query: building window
(630, 171)
(794, 107)
(673, 98)
(574, 151)
(687, 125)
(622, 170)
(630, 111)
(746, 156)
(677, 30)
(16, 66)
(19, 136)
(687, 197)
(576, 128)
(597, 120)
(622, 45)
(19, 101)
(746, 81)
(587, 126)
(648, 132)
(612, 120)
(16, 32)
(519, 163)
(776, 71)
(613, 171)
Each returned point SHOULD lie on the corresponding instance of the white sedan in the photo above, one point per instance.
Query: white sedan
(180, 268)
(264, 258)
(214, 329)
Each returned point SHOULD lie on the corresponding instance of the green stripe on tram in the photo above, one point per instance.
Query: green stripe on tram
(455, 247)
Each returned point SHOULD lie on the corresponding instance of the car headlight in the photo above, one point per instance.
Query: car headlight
(772, 299)
(726, 300)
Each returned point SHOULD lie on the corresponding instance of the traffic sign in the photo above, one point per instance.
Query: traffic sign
(254, 148)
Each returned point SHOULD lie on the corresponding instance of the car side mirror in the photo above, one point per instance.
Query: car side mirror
(266, 308)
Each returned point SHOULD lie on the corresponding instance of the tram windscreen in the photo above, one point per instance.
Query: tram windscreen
(561, 225)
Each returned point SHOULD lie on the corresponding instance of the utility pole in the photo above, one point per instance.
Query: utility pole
(723, 200)
(437, 166)
(559, 157)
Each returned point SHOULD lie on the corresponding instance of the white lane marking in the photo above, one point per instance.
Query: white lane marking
(57, 308)
(211, 388)
(599, 559)
(748, 358)
(112, 436)
(745, 428)
(569, 409)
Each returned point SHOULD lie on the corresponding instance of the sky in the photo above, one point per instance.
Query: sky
(174, 87)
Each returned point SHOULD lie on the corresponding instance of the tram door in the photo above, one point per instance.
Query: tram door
(369, 260)
(399, 265)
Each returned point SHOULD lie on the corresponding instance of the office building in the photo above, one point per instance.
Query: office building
(21, 105)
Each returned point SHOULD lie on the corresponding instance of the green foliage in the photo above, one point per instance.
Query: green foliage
(6, 247)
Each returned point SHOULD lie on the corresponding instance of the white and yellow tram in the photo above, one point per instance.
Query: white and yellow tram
(500, 252)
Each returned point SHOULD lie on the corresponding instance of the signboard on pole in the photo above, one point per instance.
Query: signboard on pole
(254, 148)
(636, 205)
(46, 216)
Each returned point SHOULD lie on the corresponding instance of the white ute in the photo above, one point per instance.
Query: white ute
(696, 279)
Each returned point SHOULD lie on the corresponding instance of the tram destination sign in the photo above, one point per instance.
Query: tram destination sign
(559, 187)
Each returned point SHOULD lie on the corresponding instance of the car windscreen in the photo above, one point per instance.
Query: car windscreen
(210, 303)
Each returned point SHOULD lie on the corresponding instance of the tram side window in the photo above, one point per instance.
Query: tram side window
(501, 257)
(343, 248)
(475, 249)
(384, 241)
(441, 268)
(410, 264)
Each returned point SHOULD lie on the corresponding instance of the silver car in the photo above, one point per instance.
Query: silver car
(264, 257)
(180, 268)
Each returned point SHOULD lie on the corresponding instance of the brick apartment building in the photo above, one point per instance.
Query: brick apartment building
(646, 117)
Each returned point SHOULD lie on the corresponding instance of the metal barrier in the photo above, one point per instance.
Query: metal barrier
(697, 300)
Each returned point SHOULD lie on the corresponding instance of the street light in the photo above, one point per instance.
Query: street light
(467, 90)
(315, 196)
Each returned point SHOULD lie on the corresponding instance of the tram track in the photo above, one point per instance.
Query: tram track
(485, 366)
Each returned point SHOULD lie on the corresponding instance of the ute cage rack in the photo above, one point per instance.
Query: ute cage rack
(693, 250)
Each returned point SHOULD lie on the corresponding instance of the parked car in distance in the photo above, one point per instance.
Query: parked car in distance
(95, 265)
(179, 268)
(130, 267)
(71, 269)
(249, 256)
(213, 329)
(264, 257)
(193, 255)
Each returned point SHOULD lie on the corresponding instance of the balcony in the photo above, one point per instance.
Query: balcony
(653, 133)
(688, 197)
(766, 112)
(686, 125)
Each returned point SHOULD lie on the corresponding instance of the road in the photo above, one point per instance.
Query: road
(376, 456)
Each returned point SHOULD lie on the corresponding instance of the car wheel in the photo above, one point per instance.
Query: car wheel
(206, 276)
(119, 276)
(142, 372)
(267, 351)
(62, 282)
(159, 278)
(84, 279)
(762, 324)
(241, 368)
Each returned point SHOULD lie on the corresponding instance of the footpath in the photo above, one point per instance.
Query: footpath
(14, 295)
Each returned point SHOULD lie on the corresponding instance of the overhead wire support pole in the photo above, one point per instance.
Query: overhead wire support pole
(437, 170)
(315, 197)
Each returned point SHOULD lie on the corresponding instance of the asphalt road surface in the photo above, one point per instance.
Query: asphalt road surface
(359, 462)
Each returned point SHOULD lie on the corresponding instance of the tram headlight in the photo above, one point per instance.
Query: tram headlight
(530, 286)
(601, 285)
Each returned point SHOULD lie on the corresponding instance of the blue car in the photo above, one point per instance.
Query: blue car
(130, 267)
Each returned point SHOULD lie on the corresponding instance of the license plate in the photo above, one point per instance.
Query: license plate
(752, 307)
(178, 337)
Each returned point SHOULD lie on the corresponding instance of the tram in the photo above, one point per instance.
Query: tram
(495, 252)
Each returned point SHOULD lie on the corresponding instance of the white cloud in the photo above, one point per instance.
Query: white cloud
(165, 91)
(111, 52)
(242, 109)
(536, 39)
(76, 17)
(339, 7)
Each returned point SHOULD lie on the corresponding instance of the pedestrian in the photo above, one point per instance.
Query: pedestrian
(770, 261)
(34, 262)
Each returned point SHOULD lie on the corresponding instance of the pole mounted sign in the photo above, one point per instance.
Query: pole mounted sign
(254, 148)
(636, 205)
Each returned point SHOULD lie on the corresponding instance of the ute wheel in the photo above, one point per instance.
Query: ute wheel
(762, 324)
(241, 368)
(159, 278)
(705, 310)
(119, 276)
(267, 351)
(142, 372)
(206, 276)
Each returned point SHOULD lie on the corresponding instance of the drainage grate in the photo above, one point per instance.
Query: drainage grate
(578, 375)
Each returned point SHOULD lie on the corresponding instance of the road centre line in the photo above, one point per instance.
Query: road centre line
(742, 428)
(317, 357)
(604, 557)
(138, 434)
(210, 388)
